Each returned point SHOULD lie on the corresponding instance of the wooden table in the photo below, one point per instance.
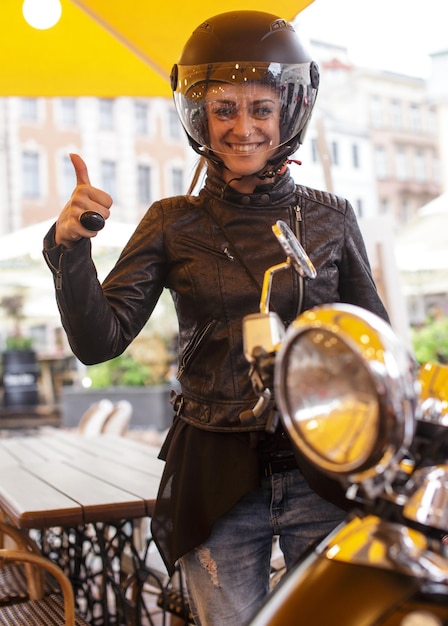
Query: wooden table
(83, 494)
(69, 479)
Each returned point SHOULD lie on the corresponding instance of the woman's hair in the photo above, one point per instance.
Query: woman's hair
(201, 166)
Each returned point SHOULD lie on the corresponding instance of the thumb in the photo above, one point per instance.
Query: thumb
(82, 175)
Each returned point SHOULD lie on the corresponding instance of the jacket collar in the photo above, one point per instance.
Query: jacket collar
(280, 192)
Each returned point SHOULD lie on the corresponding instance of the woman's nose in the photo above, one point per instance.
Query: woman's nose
(243, 124)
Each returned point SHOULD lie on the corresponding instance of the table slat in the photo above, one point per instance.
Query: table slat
(100, 501)
(20, 448)
(7, 458)
(30, 503)
(131, 480)
(122, 451)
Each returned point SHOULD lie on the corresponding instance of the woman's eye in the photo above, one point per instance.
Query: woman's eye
(224, 111)
(262, 112)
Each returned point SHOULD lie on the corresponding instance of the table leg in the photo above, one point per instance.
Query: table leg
(108, 567)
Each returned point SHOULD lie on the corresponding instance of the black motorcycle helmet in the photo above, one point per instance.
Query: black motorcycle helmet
(246, 48)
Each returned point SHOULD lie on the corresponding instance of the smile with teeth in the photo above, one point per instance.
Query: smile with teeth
(244, 148)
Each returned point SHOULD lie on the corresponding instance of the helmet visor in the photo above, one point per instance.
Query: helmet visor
(273, 98)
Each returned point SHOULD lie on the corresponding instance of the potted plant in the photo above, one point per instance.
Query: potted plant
(20, 368)
(142, 375)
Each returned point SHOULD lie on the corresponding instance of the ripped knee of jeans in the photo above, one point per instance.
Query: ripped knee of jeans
(208, 563)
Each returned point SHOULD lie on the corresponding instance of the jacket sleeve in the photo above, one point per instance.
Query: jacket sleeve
(101, 320)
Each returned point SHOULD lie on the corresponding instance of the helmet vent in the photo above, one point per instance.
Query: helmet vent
(280, 24)
(204, 26)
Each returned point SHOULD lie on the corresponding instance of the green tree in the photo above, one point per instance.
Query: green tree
(430, 341)
(122, 371)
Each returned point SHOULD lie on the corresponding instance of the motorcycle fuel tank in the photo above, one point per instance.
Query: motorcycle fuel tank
(368, 574)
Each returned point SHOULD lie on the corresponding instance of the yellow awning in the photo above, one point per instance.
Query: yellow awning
(106, 48)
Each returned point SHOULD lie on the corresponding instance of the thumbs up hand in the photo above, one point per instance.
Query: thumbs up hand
(84, 198)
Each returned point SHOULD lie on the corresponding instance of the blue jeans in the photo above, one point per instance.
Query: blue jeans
(227, 577)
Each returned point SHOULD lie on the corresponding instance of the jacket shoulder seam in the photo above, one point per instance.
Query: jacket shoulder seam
(175, 203)
(324, 198)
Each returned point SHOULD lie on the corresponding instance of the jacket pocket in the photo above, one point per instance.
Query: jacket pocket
(194, 346)
(223, 251)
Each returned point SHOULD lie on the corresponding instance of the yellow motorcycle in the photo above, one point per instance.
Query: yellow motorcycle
(358, 408)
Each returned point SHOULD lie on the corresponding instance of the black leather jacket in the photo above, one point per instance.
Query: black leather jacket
(211, 252)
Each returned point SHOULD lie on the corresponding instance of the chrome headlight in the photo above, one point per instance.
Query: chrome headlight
(345, 388)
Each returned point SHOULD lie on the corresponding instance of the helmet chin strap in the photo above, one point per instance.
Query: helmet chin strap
(279, 170)
(278, 164)
(267, 174)
(272, 172)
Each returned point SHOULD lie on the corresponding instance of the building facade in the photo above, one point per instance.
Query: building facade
(135, 150)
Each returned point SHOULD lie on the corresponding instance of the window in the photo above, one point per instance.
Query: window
(28, 109)
(384, 206)
(396, 115)
(109, 177)
(174, 126)
(435, 168)
(432, 121)
(335, 153)
(381, 162)
(420, 166)
(415, 118)
(314, 150)
(355, 156)
(144, 184)
(68, 177)
(376, 112)
(141, 117)
(177, 181)
(401, 164)
(359, 207)
(106, 106)
(405, 211)
(30, 174)
(68, 107)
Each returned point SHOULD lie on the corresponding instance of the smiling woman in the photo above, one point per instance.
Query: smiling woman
(244, 88)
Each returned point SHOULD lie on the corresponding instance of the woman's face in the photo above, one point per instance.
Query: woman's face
(244, 126)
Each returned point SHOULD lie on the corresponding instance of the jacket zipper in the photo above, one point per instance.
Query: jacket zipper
(193, 347)
(298, 214)
(57, 271)
(224, 251)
